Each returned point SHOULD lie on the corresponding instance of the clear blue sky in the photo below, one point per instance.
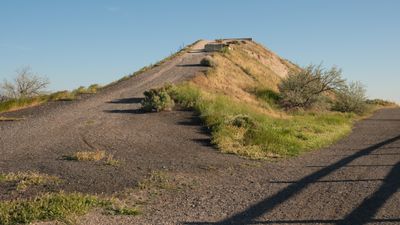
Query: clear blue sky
(79, 42)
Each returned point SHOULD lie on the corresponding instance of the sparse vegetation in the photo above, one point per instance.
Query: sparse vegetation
(157, 180)
(351, 98)
(303, 89)
(10, 104)
(25, 85)
(112, 161)
(96, 155)
(208, 61)
(57, 206)
(24, 180)
(157, 100)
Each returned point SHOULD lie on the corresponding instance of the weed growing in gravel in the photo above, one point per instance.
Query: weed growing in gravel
(112, 161)
(24, 180)
(157, 179)
(57, 206)
(98, 155)
(88, 155)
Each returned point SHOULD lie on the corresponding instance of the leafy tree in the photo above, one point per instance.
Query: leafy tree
(303, 89)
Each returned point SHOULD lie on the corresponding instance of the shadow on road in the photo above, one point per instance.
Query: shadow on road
(361, 215)
(126, 101)
(134, 111)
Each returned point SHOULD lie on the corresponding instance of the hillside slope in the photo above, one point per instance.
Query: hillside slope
(243, 69)
(238, 100)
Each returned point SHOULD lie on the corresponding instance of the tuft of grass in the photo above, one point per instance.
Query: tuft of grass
(97, 155)
(112, 161)
(24, 180)
(158, 180)
(88, 155)
(57, 206)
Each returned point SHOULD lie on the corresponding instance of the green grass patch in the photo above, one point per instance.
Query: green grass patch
(15, 104)
(57, 206)
(239, 128)
(270, 97)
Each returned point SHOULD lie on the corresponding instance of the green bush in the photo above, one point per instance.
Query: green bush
(208, 61)
(351, 98)
(157, 100)
(303, 89)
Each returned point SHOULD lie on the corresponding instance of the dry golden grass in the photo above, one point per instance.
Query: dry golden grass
(88, 155)
(111, 160)
(97, 155)
(241, 71)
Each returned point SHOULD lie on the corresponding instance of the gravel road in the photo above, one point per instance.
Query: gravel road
(354, 182)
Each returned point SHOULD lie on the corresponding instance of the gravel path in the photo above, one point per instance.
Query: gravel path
(355, 181)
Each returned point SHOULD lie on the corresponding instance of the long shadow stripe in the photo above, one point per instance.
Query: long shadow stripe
(268, 204)
(370, 206)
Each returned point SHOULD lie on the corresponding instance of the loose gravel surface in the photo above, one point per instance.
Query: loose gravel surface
(355, 181)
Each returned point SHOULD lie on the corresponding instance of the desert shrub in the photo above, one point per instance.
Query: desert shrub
(25, 85)
(208, 61)
(157, 100)
(241, 121)
(93, 88)
(224, 50)
(351, 98)
(303, 89)
(62, 96)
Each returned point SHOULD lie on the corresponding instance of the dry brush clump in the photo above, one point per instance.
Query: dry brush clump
(96, 155)
(157, 100)
(208, 61)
